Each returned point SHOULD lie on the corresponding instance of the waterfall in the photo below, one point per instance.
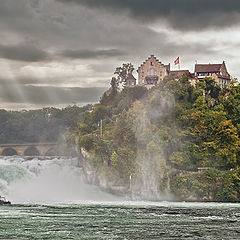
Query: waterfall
(48, 179)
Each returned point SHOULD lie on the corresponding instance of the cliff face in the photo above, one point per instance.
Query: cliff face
(100, 177)
(134, 189)
(210, 185)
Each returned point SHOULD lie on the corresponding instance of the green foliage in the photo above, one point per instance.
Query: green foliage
(86, 142)
(129, 95)
(114, 159)
(212, 185)
(173, 127)
(109, 97)
(123, 72)
(44, 125)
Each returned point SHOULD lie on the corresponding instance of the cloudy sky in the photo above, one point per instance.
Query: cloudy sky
(60, 52)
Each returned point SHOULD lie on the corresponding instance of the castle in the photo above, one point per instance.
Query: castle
(152, 71)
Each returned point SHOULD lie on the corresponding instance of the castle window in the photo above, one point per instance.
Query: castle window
(151, 63)
(152, 72)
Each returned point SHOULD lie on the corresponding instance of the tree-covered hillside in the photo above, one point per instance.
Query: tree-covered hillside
(155, 141)
(44, 125)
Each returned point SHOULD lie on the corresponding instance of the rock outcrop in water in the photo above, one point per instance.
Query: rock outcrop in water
(95, 177)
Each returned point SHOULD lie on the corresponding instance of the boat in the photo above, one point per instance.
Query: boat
(4, 201)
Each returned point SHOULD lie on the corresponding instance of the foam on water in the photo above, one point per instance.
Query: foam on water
(56, 179)
(113, 221)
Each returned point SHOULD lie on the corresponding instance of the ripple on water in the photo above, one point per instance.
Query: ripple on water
(113, 221)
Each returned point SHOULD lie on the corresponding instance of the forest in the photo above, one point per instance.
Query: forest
(43, 125)
(177, 138)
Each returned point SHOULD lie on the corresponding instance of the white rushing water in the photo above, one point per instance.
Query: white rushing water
(55, 179)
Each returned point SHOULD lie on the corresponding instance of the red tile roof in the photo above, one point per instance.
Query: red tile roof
(219, 69)
(179, 73)
(225, 76)
(207, 67)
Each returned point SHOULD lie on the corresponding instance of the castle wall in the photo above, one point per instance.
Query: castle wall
(150, 68)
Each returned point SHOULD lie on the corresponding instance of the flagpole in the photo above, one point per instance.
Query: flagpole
(177, 62)
(101, 130)
(130, 186)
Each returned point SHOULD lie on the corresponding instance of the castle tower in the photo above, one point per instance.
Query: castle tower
(151, 72)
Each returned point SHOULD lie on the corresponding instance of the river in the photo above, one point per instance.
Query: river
(52, 201)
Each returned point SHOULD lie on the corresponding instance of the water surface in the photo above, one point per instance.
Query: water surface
(51, 200)
(126, 220)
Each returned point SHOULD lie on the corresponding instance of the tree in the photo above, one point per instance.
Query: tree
(109, 96)
(114, 85)
(123, 72)
(228, 144)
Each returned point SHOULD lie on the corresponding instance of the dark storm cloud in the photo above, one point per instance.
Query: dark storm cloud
(23, 53)
(85, 44)
(88, 54)
(179, 14)
(171, 49)
(49, 95)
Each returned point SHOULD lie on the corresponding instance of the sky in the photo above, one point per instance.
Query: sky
(64, 52)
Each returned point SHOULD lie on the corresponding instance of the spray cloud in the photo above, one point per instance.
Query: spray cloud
(151, 180)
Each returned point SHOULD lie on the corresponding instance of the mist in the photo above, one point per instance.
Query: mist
(50, 180)
(152, 179)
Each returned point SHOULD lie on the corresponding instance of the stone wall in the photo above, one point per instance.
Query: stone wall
(151, 67)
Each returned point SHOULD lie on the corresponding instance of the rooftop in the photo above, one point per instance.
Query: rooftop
(207, 67)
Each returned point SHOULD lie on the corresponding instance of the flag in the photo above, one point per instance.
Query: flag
(99, 123)
(176, 61)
